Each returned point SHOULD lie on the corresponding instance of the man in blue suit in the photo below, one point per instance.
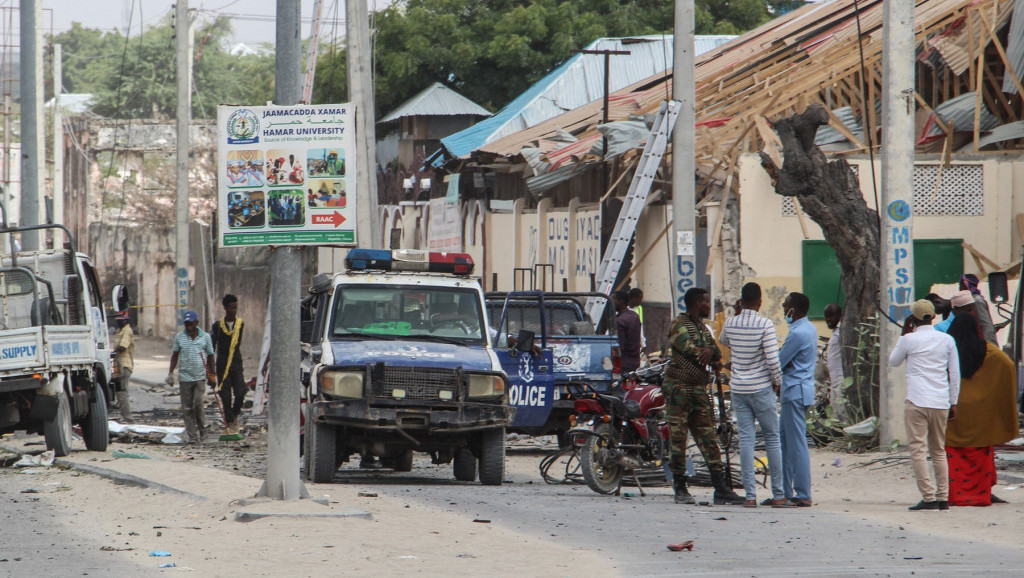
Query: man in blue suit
(798, 356)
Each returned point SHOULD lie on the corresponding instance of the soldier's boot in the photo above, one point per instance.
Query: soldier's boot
(124, 402)
(724, 496)
(682, 496)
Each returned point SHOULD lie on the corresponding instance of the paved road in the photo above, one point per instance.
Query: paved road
(730, 541)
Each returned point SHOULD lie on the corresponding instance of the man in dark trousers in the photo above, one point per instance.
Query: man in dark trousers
(227, 341)
(627, 326)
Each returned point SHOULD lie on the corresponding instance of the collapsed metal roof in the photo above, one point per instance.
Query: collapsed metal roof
(576, 82)
(814, 55)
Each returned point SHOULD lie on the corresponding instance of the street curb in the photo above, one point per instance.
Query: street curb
(125, 479)
(251, 516)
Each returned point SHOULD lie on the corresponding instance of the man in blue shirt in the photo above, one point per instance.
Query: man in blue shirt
(797, 358)
(193, 357)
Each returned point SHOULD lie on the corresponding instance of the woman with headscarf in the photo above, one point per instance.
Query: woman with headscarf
(986, 416)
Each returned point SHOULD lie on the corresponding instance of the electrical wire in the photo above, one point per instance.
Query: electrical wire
(867, 117)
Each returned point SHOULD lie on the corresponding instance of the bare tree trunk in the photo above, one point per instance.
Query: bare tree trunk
(829, 192)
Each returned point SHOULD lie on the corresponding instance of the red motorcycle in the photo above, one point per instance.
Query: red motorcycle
(620, 434)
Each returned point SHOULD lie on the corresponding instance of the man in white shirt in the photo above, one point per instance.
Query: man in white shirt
(834, 358)
(756, 377)
(933, 387)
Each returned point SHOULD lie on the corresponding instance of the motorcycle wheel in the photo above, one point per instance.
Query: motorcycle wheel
(599, 478)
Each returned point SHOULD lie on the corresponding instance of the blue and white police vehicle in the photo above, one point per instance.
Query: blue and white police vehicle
(54, 345)
(397, 358)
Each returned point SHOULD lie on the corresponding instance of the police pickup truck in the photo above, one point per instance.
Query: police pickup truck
(397, 358)
(562, 347)
(54, 346)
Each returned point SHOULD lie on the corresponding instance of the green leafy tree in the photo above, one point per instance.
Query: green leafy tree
(134, 77)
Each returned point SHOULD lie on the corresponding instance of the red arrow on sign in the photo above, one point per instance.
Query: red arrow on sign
(336, 219)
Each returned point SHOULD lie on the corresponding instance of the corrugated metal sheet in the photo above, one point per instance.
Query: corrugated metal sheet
(437, 100)
(1009, 131)
(960, 111)
(1015, 47)
(578, 81)
(828, 135)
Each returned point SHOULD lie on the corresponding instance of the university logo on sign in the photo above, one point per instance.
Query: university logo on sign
(243, 126)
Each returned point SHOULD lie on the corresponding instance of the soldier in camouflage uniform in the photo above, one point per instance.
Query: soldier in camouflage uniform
(687, 398)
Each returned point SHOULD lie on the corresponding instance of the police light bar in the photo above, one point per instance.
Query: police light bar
(408, 260)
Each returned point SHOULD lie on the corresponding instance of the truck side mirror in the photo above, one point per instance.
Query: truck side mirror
(998, 292)
(525, 341)
(119, 298)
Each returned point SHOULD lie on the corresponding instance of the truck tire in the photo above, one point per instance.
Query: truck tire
(492, 457)
(94, 428)
(400, 463)
(464, 465)
(323, 443)
(57, 431)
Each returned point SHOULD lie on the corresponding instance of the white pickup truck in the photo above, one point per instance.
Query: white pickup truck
(54, 346)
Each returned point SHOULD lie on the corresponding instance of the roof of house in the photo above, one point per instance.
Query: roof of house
(815, 54)
(576, 82)
(437, 100)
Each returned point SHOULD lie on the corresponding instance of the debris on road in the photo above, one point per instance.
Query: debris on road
(44, 459)
(687, 545)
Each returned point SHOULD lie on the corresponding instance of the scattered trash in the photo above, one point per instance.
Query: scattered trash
(120, 454)
(44, 459)
(159, 553)
(628, 494)
(687, 545)
(721, 518)
(480, 521)
(1011, 488)
(465, 556)
(912, 558)
(407, 557)
(367, 494)
(866, 428)
(114, 549)
(30, 491)
(171, 439)
(138, 428)
(838, 462)
(166, 565)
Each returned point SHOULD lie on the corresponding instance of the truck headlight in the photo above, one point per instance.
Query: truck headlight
(342, 383)
(481, 385)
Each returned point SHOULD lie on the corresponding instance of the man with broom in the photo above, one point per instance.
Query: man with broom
(227, 341)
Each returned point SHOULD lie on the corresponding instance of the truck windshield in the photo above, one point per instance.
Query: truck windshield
(408, 311)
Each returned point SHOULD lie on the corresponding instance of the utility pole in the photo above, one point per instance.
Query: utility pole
(283, 482)
(58, 148)
(32, 147)
(183, 66)
(314, 43)
(360, 93)
(684, 222)
(896, 213)
(604, 115)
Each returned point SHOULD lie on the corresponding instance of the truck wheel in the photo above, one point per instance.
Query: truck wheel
(323, 443)
(492, 457)
(464, 465)
(403, 463)
(601, 479)
(57, 431)
(94, 428)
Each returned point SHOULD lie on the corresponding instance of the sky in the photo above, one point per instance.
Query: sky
(252, 20)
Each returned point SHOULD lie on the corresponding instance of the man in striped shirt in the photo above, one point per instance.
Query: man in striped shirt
(756, 377)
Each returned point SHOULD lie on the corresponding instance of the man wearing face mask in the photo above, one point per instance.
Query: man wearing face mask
(797, 358)
(834, 357)
(687, 400)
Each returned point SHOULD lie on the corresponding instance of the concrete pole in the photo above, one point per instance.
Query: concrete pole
(58, 148)
(684, 222)
(360, 93)
(283, 482)
(897, 242)
(31, 113)
(183, 68)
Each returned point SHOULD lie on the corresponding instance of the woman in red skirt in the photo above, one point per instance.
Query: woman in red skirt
(986, 416)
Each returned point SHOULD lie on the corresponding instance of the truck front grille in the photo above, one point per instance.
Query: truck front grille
(417, 382)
